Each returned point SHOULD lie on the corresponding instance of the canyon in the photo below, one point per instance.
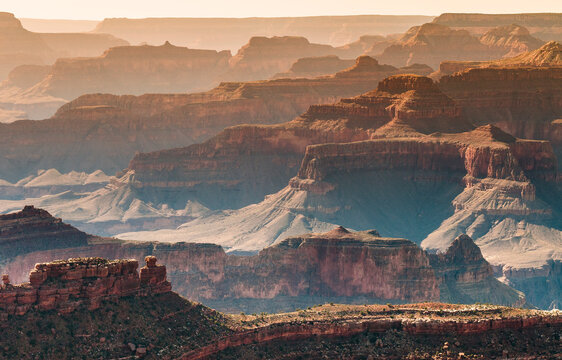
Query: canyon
(337, 266)
(117, 312)
(23, 47)
(103, 132)
(231, 34)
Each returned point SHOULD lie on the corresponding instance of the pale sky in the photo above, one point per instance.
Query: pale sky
(99, 9)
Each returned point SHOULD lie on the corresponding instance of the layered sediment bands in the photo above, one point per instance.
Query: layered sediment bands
(315, 66)
(484, 152)
(339, 265)
(228, 160)
(525, 102)
(34, 229)
(432, 43)
(104, 131)
(353, 335)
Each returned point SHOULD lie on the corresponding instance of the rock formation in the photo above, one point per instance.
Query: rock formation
(338, 265)
(20, 46)
(433, 43)
(66, 285)
(134, 70)
(510, 40)
(525, 102)
(127, 124)
(545, 26)
(315, 66)
(35, 229)
(548, 55)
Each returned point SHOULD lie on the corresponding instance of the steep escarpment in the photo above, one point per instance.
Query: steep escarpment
(104, 131)
(338, 265)
(228, 161)
(510, 40)
(35, 229)
(64, 286)
(524, 102)
(22, 47)
(95, 307)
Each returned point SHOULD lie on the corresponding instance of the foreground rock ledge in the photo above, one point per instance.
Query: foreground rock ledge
(65, 285)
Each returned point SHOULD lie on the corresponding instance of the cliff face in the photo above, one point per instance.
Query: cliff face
(525, 102)
(232, 33)
(104, 131)
(510, 40)
(228, 160)
(315, 66)
(335, 266)
(548, 55)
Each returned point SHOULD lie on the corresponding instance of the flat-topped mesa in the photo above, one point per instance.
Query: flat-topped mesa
(484, 152)
(65, 285)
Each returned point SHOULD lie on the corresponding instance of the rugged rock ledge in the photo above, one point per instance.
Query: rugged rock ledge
(66, 285)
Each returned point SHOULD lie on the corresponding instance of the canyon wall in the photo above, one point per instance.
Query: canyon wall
(105, 131)
(335, 266)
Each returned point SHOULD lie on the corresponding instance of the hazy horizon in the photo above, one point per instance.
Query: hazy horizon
(70, 10)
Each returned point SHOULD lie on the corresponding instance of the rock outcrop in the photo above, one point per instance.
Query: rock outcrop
(525, 102)
(231, 157)
(510, 40)
(65, 286)
(548, 55)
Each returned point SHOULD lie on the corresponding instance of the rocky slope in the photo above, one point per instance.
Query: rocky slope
(433, 43)
(35, 229)
(95, 319)
(134, 70)
(104, 131)
(545, 26)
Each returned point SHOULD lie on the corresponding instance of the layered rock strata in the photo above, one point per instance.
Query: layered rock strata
(66, 285)
(336, 266)
(104, 131)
